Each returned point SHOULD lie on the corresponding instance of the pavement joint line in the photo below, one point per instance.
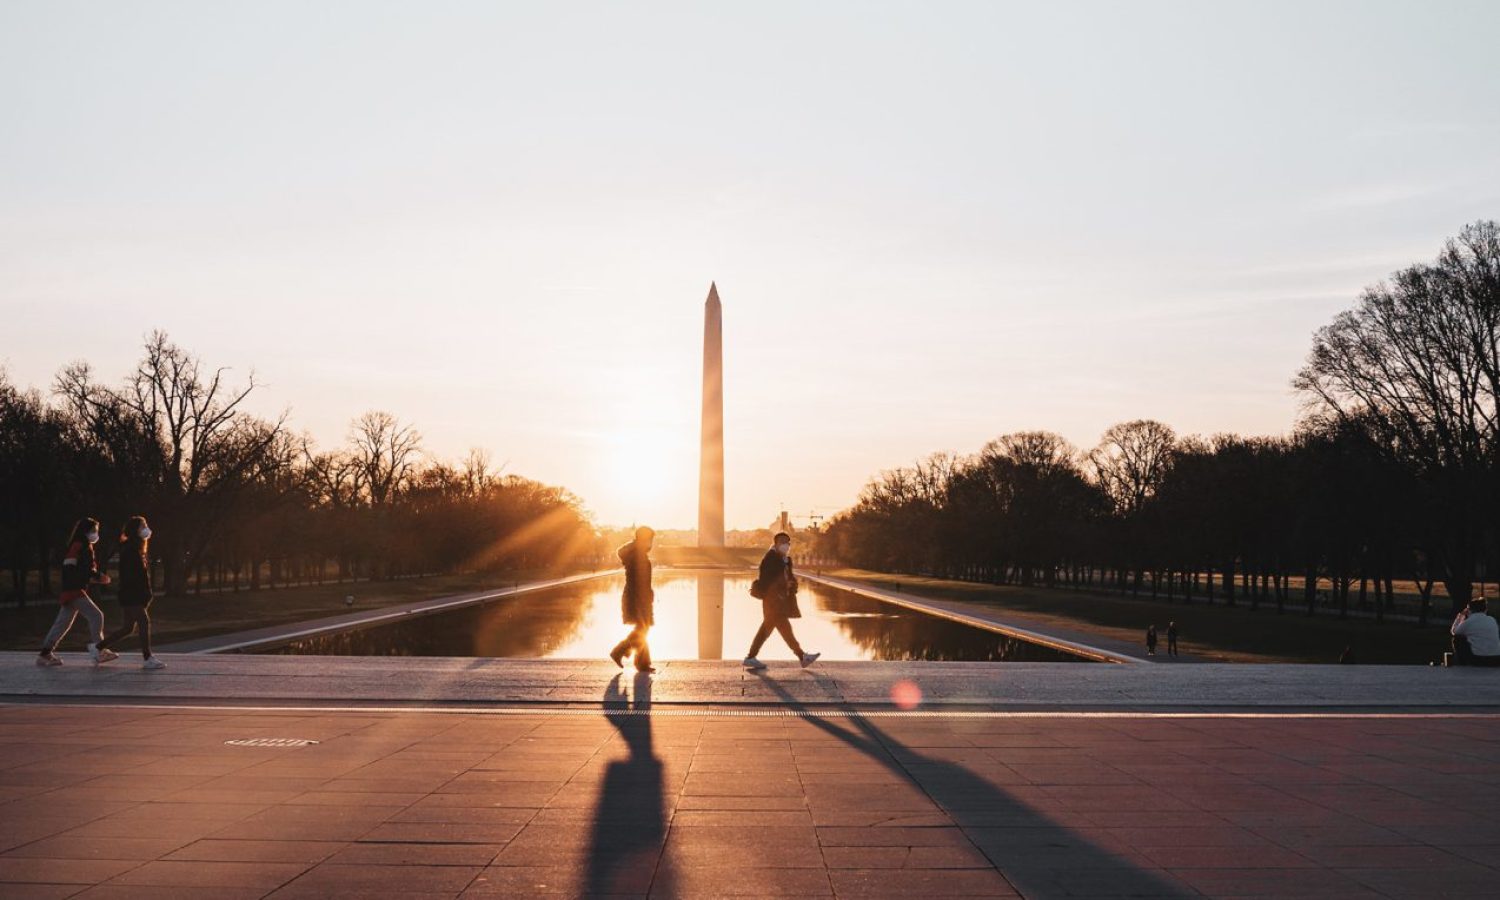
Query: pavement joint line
(885, 596)
(584, 711)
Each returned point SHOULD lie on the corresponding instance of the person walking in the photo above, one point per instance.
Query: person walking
(638, 602)
(1171, 638)
(1150, 640)
(776, 587)
(80, 569)
(135, 589)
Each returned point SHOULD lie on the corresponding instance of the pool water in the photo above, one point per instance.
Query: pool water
(699, 615)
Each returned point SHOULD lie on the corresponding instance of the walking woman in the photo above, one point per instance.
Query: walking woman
(135, 589)
(79, 570)
(777, 589)
(638, 602)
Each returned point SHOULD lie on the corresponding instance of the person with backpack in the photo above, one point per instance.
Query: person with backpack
(80, 569)
(638, 602)
(776, 586)
(135, 589)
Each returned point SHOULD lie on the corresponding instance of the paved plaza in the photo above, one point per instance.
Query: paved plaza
(117, 783)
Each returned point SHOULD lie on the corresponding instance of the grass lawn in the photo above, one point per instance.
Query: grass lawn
(186, 618)
(1217, 632)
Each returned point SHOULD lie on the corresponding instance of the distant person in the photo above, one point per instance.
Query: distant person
(776, 586)
(638, 602)
(1171, 638)
(135, 589)
(1150, 640)
(1476, 636)
(79, 570)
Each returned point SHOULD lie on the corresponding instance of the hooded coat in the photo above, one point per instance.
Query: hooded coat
(638, 601)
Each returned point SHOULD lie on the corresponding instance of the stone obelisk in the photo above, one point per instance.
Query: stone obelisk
(711, 459)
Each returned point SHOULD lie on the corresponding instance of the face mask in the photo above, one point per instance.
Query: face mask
(145, 532)
(93, 537)
(784, 549)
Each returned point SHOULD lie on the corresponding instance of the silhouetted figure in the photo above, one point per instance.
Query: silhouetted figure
(630, 821)
(1347, 657)
(1150, 640)
(638, 602)
(80, 568)
(1476, 636)
(135, 589)
(776, 586)
(1171, 638)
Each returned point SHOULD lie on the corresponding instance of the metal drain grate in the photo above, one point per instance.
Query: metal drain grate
(270, 742)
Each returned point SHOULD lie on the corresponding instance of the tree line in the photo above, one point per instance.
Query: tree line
(1391, 474)
(239, 501)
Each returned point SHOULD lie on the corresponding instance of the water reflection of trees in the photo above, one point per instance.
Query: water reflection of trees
(533, 624)
(539, 624)
(890, 633)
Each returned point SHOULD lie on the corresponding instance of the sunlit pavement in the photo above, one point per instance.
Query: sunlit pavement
(984, 685)
(628, 795)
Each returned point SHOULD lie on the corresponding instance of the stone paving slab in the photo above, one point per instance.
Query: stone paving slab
(593, 802)
(512, 681)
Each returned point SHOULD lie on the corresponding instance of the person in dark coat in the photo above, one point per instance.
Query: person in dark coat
(777, 587)
(1150, 640)
(1171, 638)
(638, 602)
(80, 570)
(135, 589)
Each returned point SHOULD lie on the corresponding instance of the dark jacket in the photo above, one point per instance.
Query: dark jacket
(135, 575)
(638, 602)
(780, 587)
(79, 570)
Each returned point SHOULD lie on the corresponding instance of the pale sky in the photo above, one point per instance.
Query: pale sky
(931, 224)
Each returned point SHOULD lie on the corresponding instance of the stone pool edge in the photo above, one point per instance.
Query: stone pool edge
(1097, 654)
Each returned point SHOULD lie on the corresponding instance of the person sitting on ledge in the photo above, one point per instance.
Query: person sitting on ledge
(1476, 636)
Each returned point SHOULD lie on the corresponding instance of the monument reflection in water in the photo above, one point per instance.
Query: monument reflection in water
(699, 615)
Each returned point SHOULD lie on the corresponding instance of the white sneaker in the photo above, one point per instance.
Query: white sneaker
(153, 663)
(753, 664)
(47, 659)
(809, 658)
(101, 655)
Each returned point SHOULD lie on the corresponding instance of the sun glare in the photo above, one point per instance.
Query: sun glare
(647, 472)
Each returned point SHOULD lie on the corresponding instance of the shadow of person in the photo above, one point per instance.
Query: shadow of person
(1039, 856)
(630, 823)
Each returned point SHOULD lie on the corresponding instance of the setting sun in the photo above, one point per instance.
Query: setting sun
(646, 471)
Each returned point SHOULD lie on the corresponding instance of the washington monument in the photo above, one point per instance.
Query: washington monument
(711, 458)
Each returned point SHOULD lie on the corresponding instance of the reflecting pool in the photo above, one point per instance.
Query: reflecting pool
(705, 614)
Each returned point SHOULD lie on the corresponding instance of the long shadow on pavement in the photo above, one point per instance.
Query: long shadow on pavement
(630, 822)
(1037, 855)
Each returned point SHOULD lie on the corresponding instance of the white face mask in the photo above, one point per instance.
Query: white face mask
(93, 537)
(784, 549)
(145, 532)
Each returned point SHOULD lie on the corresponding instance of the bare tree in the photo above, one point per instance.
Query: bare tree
(1416, 366)
(477, 474)
(205, 445)
(386, 452)
(1131, 461)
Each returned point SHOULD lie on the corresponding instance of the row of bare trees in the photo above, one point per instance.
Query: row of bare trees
(1392, 475)
(237, 500)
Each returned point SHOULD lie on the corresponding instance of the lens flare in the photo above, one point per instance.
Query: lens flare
(906, 694)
